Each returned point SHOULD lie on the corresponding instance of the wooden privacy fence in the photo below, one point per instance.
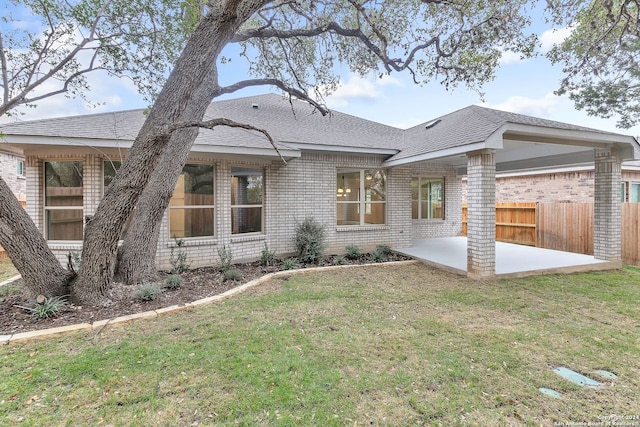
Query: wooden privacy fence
(561, 226)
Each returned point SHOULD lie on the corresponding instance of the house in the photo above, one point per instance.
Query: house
(566, 184)
(367, 183)
(12, 169)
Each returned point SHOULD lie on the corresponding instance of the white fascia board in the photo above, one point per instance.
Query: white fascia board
(342, 149)
(455, 151)
(579, 137)
(249, 151)
(65, 141)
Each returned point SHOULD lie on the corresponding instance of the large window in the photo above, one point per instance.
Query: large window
(634, 192)
(427, 198)
(361, 197)
(191, 209)
(63, 200)
(246, 200)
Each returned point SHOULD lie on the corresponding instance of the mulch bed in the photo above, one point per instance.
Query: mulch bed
(197, 283)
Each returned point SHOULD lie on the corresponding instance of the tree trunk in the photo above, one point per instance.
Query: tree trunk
(194, 65)
(28, 250)
(137, 255)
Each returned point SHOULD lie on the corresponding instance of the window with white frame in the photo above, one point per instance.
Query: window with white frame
(191, 208)
(623, 192)
(63, 202)
(634, 192)
(427, 198)
(20, 168)
(361, 197)
(247, 193)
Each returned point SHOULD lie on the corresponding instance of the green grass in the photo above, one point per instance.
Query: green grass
(7, 270)
(401, 345)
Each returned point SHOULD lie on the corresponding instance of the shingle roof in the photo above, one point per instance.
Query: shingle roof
(466, 126)
(286, 122)
(293, 122)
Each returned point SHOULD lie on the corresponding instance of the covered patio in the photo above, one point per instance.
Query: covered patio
(511, 260)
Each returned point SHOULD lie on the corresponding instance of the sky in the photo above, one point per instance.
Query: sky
(520, 86)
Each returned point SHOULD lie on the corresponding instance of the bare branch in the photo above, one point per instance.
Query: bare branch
(280, 85)
(5, 75)
(212, 124)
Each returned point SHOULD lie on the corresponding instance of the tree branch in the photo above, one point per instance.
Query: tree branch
(211, 124)
(280, 85)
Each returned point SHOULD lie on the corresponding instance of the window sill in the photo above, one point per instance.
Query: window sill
(248, 238)
(65, 244)
(344, 228)
(428, 220)
(192, 241)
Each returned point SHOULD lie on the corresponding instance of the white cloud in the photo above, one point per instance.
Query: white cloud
(540, 107)
(359, 88)
(553, 37)
(510, 58)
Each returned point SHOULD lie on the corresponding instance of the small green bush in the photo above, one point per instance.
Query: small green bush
(173, 282)
(268, 257)
(339, 260)
(49, 307)
(226, 257)
(309, 241)
(178, 260)
(146, 292)
(353, 252)
(378, 256)
(232, 274)
(290, 264)
(384, 250)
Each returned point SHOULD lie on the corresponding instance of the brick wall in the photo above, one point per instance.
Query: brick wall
(304, 187)
(573, 186)
(8, 172)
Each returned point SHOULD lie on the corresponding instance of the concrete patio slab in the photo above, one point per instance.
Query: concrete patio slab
(450, 253)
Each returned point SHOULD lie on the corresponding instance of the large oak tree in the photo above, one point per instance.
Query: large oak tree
(297, 47)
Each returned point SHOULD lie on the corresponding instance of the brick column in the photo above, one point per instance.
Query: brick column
(607, 236)
(481, 224)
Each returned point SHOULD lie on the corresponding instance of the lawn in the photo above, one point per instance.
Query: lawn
(381, 345)
(7, 270)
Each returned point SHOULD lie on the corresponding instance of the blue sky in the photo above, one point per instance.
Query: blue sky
(521, 86)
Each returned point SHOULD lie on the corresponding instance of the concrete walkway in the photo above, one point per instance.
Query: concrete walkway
(450, 253)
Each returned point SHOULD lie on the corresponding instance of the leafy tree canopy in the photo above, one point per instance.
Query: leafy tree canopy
(601, 57)
(47, 47)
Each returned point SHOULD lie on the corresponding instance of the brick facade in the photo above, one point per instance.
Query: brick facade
(607, 233)
(9, 172)
(304, 187)
(481, 230)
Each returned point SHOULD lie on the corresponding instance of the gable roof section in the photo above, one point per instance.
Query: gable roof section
(294, 125)
(473, 128)
(521, 141)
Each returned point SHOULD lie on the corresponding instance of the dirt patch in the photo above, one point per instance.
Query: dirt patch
(196, 284)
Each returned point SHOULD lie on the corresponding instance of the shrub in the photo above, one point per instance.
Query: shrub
(378, 256)
(178, 261)
(226, 257)
(290, 264)
(338, 260)
(173, 282)
(146, 291)
(353, 252)
(384, 250)
(46, 308)
(309, 241)
(232, 274)
(267, 256)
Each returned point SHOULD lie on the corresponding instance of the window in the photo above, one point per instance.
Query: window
(634, 192)
(109, 172)
(63, 189)
(191, 208)
(623, 192)
(20, 168)
(246, 200)
(427, 198)
(361, 197)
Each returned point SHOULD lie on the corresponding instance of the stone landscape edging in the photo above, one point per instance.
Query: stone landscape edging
(98, 325)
